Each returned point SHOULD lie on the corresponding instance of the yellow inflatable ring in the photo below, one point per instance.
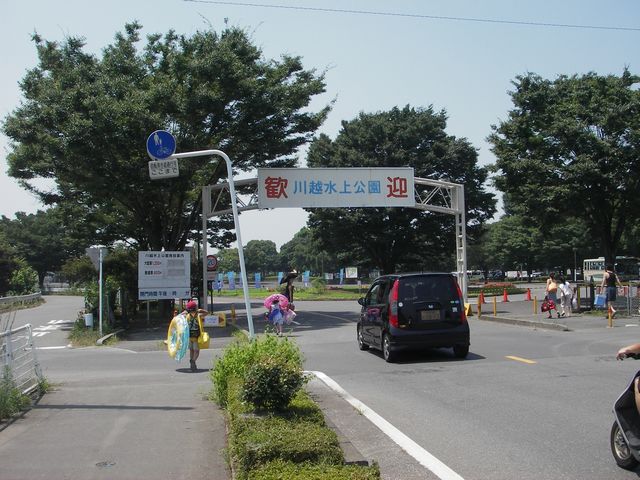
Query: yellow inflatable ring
(178, 337)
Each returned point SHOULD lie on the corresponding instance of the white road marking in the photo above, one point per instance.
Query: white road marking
(423, 457)
(51, 348)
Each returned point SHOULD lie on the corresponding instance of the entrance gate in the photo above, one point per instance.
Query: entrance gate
(430, 195)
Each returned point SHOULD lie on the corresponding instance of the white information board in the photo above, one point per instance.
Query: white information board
(335, 187)
(164, 275)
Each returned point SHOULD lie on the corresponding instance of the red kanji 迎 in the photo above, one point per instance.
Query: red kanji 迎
(397, 187)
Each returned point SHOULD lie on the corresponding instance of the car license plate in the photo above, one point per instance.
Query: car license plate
(430, 315)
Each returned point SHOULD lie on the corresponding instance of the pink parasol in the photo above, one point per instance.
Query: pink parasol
(282, 300)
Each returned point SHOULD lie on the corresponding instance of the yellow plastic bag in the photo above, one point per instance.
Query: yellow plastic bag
(203, 339)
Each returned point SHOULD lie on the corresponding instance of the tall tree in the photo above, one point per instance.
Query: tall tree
(571, 147)
(8, 263)
(84, 121)
(303, 252)
(260, 256)
(399, 238)
(42, 240)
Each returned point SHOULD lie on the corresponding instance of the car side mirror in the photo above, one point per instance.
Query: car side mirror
(361, 301)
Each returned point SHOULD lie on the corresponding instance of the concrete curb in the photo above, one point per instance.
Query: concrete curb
(100, 341)
(526, 323)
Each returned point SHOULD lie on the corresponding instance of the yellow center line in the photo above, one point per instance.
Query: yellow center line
(520, 359)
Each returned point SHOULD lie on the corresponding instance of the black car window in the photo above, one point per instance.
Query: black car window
(429, 288)
(376, 294)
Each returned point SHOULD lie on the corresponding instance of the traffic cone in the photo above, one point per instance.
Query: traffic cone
(528, 299)
(505, 298)
(481, 297)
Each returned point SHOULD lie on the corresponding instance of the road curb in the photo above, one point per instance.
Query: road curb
(526, 323)
(100, 341)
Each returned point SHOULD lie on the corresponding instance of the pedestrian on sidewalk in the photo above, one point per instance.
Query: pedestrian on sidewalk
(566, 297)
(611, 281)
(552, 292)
(193, 320)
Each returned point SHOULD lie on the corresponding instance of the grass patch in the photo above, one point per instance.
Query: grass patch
(256, 441)
(12, 401)
(82, 336)
(284, 470)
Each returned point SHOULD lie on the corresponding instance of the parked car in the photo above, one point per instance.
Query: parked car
(413, 311)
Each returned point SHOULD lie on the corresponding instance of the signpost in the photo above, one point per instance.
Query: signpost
(96, 255)
(160, 146)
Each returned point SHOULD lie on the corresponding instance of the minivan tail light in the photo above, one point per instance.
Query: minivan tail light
(463, 315)
(393, 304)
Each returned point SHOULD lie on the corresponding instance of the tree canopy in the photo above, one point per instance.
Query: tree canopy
(571, 148)
(394, 239)
(41, 239)
(84, 120)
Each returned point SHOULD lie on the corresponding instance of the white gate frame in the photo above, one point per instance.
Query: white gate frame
(430, 195)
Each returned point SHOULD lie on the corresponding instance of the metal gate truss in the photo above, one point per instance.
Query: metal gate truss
(430, 195)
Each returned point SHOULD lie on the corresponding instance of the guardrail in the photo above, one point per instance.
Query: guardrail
(18, 356)
(21, 300)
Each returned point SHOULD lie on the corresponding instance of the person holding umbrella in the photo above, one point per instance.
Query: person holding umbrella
(289, 288)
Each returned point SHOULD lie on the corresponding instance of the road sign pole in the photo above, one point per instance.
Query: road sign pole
(206, 201)
(236, 221)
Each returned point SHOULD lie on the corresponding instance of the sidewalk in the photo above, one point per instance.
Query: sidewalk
(520, 312)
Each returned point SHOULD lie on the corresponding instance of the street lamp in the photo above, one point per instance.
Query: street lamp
(234, 207)
(575, 265)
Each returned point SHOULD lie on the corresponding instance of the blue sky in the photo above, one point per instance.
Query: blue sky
(372, 62)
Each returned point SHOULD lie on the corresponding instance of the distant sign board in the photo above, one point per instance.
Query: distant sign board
(335, 187)
(164, 275)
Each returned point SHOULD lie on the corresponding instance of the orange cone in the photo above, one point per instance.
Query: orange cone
(504, 296)
(528, 299)
(481, 297)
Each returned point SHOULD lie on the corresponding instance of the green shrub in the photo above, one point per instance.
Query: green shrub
(241, 355)
(270, 384)
(283, 470)
(12, 400)
(318, 285)
(255, 441)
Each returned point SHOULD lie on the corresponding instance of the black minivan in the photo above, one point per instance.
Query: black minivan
(413, 310)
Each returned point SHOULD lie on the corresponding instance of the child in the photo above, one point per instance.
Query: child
(275, 315)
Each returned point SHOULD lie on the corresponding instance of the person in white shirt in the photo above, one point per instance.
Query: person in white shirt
(566, 295)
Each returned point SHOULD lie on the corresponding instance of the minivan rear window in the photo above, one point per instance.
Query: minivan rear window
(436, 288)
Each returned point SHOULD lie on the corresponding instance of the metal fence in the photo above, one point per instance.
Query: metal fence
(18, 357)
(627, 299)
(11, 302)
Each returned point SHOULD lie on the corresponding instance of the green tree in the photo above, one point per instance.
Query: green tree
(79, 270)
(8, 263)
(303, 252)
(24, 279)
(512, 243)
(571, 147)
(41, 239)
(399, 238)
(260, 256)
(228, 260)
(84, 120)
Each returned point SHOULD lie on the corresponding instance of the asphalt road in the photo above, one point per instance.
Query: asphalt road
(487, 417)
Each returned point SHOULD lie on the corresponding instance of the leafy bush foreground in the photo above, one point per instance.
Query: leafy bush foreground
(276, 431)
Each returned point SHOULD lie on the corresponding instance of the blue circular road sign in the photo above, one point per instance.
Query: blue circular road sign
(161, 144)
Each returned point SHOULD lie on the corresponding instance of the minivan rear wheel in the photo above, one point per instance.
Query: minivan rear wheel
(388, 354)
(461, 351)
(361, 344)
